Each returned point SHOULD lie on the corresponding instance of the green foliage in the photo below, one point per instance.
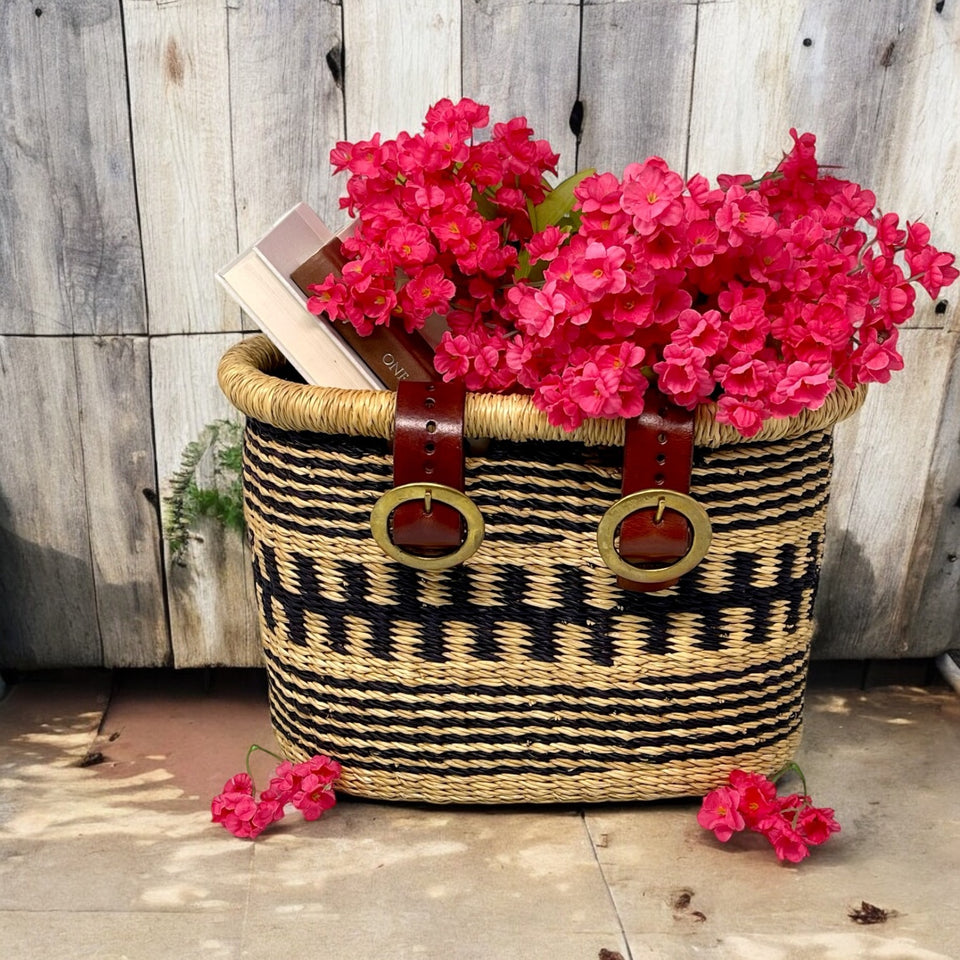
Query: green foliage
(557, 205)
(556, 209)
(215, 456)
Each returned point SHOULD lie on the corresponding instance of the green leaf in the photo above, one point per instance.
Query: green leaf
(219, 445)
(558, 203)
(488, 209)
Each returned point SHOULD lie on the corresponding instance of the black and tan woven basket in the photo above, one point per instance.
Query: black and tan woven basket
(526, 674)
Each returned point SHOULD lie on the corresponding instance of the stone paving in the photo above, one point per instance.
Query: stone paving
(117, 859)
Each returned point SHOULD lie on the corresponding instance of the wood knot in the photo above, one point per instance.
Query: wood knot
(173, 63)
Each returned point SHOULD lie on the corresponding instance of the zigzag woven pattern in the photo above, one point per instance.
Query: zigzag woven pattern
(527, 675)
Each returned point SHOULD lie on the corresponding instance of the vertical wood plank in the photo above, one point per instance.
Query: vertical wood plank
(400, 57)
(934, 574)
(70, 257)
(121, 496)
(868, 592)
(763, 68)
(286, 109)
(870, 80)
(916, 167)
(180, 102)
(637, 64)
(48, 614)
(522, 60)
(210, 596)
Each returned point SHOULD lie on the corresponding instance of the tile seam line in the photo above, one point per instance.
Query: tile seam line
(606, 887)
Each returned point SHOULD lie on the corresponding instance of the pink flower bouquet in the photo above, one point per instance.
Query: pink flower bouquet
(307, 786)
(758, 295)
(749, 801)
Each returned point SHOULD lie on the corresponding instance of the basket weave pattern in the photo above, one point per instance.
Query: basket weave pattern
(526, 674)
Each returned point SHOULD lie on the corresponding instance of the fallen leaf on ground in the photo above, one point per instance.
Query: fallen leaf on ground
(868, 913)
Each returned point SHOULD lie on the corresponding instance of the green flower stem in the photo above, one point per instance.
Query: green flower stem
(256, 746)
(791, 768)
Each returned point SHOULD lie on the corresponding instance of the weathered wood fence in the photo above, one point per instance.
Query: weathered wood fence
(145, 141)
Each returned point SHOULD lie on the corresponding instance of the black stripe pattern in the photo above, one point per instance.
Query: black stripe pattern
(528, 660)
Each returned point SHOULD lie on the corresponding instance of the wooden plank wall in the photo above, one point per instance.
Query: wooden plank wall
(145, 141)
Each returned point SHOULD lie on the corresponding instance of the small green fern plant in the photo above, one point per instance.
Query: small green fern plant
(216, 451)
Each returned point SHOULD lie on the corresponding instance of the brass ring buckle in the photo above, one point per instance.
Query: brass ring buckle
(428, 492)
(660, 500)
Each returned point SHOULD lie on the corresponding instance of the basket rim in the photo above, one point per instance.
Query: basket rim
(246, 376)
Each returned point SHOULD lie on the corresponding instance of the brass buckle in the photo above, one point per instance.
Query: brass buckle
(428, 492)
(661, 500)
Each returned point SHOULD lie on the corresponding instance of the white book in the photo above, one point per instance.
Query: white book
(259, 281)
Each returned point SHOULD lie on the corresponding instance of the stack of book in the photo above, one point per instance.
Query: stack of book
(270, 281)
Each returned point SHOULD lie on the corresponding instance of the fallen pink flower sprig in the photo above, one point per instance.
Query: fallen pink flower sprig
(749, 801)
(308, 786)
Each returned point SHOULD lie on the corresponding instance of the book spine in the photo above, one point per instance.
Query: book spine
(393, 355)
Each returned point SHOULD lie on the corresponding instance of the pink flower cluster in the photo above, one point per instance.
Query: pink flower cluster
(440, 218)
(307, 786)
(750, 801)
(757, 295)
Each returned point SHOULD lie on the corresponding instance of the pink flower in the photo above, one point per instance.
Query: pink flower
(934, 269)
(282, 785)
(452, 357)
(466, 114)
(454, 228)
(743, 376)
(237, 810)
(651, 195)
(609, 386)
(536, 310)
(307, 785)
(787, 843)
(409, 244)
(662, 248)
(803, 385)
(888, 234)
(632, 309)
(239, 783)
(744, 215)
(328, 297)
(746, 416)
(595, 392)
(703, 237)
(790, 823)
(719, 813)
(817, 824)
(599, 193)
(683, 374)
(701, 330)
(363, 158)
(599, 271)
(757, 795)
(545, 245)
(875, 360)
(314, 797)
(371, 307)
(429, 291)
(747, 327)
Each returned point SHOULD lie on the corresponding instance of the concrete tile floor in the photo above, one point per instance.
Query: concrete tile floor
(119, 860)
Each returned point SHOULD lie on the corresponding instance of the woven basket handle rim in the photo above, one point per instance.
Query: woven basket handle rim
(246, 376)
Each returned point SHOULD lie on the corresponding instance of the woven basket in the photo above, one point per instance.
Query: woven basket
(526, 674)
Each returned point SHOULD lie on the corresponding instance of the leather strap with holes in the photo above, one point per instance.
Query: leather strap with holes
(657, 454)
(428, 448)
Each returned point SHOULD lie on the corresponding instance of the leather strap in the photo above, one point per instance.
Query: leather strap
(657, 454)
(428, 448)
